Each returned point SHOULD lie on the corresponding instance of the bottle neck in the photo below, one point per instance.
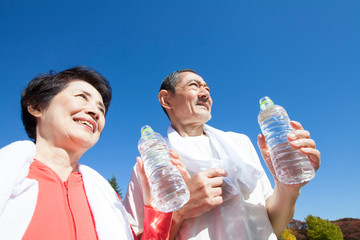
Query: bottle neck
(266, 103)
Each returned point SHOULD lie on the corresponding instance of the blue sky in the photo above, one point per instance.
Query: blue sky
(305, 55)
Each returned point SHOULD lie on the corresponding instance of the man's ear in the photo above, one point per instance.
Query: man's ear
(164, 98)
(35, 111)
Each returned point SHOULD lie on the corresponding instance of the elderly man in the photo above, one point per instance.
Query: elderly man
(230, 194)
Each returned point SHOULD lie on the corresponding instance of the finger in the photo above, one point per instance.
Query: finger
(184, 173)
(313, 155)
(141, 171)
(140, 165)
(215, 182)
(179, 165)
(175, 158)
(298, 134)
(176, 161)
(217, 191)
(173, 154)
(261, 141)
(263, 147)
(215, 172)
(303, 143)
(216, 201)
(147, 198)
(214, 192)
(296, 125)
(212, 202)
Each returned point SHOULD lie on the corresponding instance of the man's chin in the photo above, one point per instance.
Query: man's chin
(206, 118)
(209, 118)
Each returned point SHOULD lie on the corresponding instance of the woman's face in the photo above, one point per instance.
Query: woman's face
(74, 118)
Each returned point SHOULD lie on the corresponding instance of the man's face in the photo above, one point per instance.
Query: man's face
(192, 102)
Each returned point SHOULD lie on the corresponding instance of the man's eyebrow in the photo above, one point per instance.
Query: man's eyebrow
(199, 82)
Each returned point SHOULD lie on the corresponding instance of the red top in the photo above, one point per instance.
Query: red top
(63, 212)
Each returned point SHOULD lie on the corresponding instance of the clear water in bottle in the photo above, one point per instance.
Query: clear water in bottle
(168, 188)
(291, 166)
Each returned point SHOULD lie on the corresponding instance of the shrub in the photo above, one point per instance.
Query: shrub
(287, 235)
(320, 229)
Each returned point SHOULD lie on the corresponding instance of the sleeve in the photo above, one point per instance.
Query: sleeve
(264, 180)
(266, 186)
(15, 160)
(156, 224)
(149, 222)
(134, 203)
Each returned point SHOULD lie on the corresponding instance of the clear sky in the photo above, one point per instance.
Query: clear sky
(305, 55)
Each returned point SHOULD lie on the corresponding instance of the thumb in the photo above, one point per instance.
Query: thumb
(140, 165)
(261, 141)
(263, 147)
(176, 160)
(147, 197)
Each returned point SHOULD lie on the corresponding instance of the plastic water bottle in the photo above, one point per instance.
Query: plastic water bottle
(168, 188)
(291, 166)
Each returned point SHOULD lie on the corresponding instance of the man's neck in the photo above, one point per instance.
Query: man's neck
(189, 130)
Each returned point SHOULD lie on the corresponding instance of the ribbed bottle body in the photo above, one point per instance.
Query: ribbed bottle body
(168, 188)
(291, 166)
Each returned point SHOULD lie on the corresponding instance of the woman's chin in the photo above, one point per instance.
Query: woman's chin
(84, 143)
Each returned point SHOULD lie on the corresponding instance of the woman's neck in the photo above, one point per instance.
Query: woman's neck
(60, 160)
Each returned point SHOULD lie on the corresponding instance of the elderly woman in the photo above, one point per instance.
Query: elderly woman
(45, 192)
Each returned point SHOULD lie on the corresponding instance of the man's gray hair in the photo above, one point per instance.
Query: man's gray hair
(169, 83)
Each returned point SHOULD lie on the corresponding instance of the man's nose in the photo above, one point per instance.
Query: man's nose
(204, 92)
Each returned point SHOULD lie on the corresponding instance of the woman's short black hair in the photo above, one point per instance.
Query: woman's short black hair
(42, 89)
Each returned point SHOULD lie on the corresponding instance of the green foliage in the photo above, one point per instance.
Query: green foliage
(287, 235)
(320, 229)
(115, 186)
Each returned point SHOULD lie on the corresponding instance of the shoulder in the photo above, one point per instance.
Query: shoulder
(17, 156)
(91, 174)
(25, 146)
(232, 135)
(238, 136)
(86, 169)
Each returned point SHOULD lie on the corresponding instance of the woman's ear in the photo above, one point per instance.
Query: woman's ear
(164, 98)
(35, 111)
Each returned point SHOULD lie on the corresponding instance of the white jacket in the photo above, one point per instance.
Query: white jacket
(18, 196)
(243, 214)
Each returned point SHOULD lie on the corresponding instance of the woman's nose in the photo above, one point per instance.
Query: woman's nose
(94, 112)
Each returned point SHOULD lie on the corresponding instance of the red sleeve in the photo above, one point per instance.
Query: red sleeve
(156, 224)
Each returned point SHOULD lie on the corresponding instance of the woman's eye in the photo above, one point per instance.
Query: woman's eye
(102, 110)
(82, 96)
